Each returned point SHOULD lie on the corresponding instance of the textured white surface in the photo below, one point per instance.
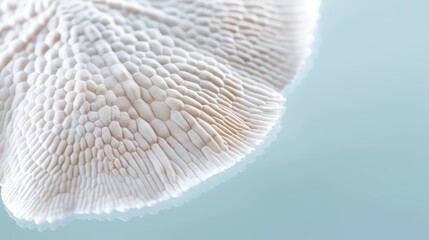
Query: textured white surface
(111, 105)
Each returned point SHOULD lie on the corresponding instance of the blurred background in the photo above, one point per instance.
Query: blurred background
(351, 161)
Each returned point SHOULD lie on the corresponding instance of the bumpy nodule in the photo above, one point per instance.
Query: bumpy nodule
(112, 105)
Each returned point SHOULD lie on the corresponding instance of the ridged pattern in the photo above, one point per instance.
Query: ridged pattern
(113, 105)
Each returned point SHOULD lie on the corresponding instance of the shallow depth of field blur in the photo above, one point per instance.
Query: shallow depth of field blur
(351, 160)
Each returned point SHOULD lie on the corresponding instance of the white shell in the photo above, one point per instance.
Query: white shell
(111, 105)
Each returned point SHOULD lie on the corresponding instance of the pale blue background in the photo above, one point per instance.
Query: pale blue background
(351, 162)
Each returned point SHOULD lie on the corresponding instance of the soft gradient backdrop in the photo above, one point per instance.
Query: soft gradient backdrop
(351, 161)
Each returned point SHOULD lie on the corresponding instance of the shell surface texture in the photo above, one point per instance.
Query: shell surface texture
(110, 105)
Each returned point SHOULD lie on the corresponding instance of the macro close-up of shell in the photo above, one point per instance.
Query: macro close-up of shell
(110, 105)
